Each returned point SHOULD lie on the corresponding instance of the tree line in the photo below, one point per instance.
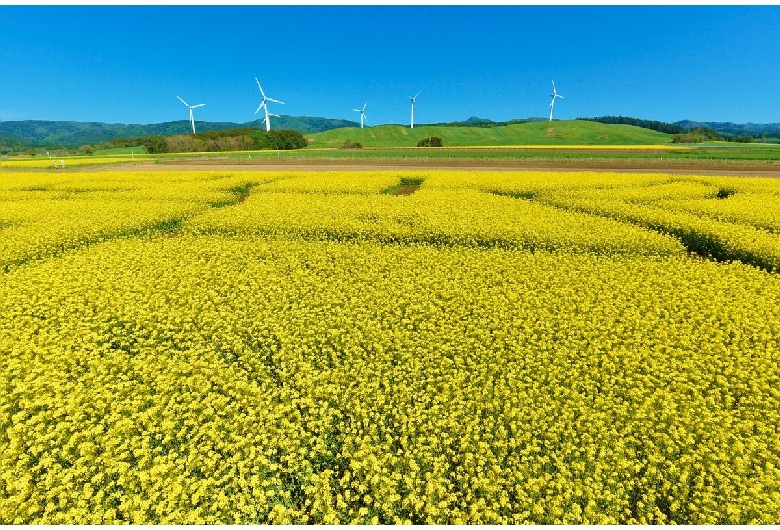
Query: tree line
(697, 135)
(680, 134)
(244, 139)
(660, 126)
(247, 139)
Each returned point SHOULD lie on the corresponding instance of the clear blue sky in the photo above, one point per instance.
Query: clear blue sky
(126, 64)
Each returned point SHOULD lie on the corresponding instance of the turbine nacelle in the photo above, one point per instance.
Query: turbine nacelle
(362, 112)
(554, 95)
(413, 99)
(264, 105)
(192, 118)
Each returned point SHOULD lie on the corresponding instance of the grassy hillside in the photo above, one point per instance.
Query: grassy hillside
(574, 132)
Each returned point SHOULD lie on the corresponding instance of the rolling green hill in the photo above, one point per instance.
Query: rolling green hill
(573, 132)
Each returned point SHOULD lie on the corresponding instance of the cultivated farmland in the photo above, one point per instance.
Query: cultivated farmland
(311, 347)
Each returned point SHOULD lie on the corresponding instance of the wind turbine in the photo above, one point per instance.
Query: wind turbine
(414, 104)
(192, 120)
(553, 96)
(362, 114)
(264, 105)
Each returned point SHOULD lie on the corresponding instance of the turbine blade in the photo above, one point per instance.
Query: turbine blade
(182, 101)
(276, 101)
(199, 105)
(261, 88)
(258, 108)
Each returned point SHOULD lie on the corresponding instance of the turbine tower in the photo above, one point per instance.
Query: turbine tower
(362, 114)
(553, 96)
(414, 104)
(264, 105)
(192, 120)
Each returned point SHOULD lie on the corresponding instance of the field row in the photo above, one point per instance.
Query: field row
(729, 219)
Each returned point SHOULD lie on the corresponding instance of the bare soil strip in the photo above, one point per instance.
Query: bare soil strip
(627, 166)
(407, 189)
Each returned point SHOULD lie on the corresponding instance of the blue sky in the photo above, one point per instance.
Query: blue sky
(126, 64)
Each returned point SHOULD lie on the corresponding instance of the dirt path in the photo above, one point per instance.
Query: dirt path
(407, 189)
(614, 165)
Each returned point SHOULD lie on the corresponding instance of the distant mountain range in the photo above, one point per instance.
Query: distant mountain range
(754, 129)
(74, 133)
(771, 130)
(476, 121)
(35, 133)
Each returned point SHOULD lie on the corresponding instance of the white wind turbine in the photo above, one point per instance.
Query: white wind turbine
(414, 104)
(362, 114)
(192, 120)
(264, 105)
(553, 96)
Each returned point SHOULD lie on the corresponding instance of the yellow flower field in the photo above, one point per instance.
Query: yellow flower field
(254, 347)
(641, 147)
(70, 161)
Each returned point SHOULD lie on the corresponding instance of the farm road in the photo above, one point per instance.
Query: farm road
(692, 167)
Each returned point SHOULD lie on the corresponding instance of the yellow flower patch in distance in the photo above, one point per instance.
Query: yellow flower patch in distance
(641, 147)
(56, 162)
(334, 182)
(43, 214)
(437, 217)
(729, 219)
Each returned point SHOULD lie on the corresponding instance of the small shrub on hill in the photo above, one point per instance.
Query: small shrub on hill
(431, 141)
(696, 135)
